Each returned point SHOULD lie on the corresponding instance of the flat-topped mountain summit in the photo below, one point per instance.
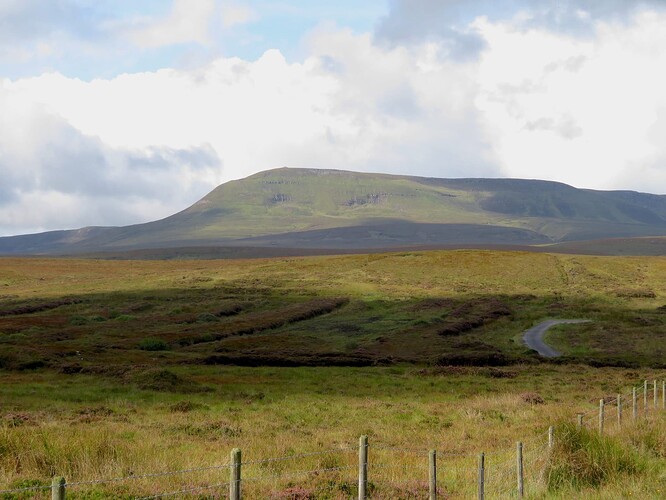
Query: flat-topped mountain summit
(334, 209)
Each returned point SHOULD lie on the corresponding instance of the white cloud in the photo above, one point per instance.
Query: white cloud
(410, 21)
(537, 103)
(349, 105)
(53, 176)
(188, 21)
(575, 110)
(234, 14)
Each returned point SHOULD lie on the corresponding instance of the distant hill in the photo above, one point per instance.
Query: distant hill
(291, 208)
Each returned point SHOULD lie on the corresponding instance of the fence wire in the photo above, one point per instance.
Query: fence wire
(297, 473)
(148, 476)
(27, 488)
(457, 472)
(301, 455)
(185, 491)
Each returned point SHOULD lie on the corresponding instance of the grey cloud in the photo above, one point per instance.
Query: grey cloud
(447, 20)
(565, 16)
(67, 162)
(446, 148)
(330, 64)
(7, 194)
(571, 64)
(444, 158)
(37, 19)
(400, 102)
(566, 127)
(540, 124)
(418, 20)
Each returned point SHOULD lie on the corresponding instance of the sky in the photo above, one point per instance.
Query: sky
(114, 112)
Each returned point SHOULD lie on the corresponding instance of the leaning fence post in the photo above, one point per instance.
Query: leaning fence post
(362, 467)
(519, 468)
(580, 420)
(634, 404)
(235, 475)
(433, 474)
(601, 416)
(58, 488)
(619, 410)
(482, 472)
(551, 436)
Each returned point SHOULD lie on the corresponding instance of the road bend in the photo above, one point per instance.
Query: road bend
(533, 337)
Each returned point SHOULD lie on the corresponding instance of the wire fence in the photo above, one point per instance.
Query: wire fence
(367, 469)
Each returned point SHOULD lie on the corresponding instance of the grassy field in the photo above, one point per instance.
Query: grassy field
(117, 369)
(458, 307)
(89, 427)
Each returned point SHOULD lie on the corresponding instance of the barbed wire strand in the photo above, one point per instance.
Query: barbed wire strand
(146, 476)
(27, 488)
(301, 455)
(394, 466)
(425, 451)
(625, 397)
(298, 473)
(187, 490)
(396, 448)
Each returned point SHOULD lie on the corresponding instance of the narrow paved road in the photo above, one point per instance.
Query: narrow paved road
(533, 337)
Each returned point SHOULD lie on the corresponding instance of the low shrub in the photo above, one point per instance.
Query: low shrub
(151, 344)
(185, 406)
(532, 398)
(78, 320)
(166, 381)
(582, 458)
(207, 318)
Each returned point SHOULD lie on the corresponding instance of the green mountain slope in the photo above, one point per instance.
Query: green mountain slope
(310, 208)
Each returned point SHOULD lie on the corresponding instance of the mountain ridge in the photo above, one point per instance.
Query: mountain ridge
(313, 208)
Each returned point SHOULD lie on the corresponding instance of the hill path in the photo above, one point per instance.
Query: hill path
(533, 337)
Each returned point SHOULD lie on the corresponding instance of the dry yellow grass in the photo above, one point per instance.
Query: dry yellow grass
(89, 427)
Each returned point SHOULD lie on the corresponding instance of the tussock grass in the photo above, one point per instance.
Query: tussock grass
(583, 458)
(89, 427)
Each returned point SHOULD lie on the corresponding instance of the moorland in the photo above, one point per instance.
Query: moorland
(116, 369)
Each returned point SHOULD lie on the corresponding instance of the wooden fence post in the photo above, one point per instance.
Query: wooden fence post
(482, 478)
(362, 467)
(551, 436)
(601, 416)
(619, 410)
(58, 488)
(663, 394)
(519, 469)
(645, 396)
(432, 462)
(580, 420)
(235, 475)
(634, 404)
(656, 399)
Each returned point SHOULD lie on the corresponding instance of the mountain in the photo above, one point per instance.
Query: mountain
(333, 209)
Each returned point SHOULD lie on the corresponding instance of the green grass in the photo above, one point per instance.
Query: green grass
(281, 203)
(584, 459)
(462, 307)
(89, 427)
(80, 395)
